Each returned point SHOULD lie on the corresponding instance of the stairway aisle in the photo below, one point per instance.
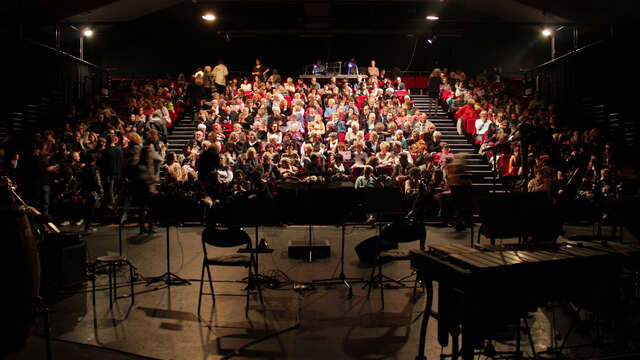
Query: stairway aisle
(182, 134)
(481, 173)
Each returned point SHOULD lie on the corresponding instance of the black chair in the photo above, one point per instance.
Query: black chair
(400, 232)
(226, 238)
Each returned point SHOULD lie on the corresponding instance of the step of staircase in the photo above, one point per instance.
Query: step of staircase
(477, 166)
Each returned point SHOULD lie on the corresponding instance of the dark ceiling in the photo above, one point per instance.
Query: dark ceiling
(327, 13)
(290, 25)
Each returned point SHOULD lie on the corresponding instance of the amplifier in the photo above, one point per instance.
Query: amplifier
(64, 260)
(299, 249)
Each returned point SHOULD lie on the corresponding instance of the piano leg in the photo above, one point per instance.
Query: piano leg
(428, 284)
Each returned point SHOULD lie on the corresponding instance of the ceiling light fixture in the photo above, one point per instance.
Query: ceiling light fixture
(209, 17)
(87, 32)
(433, 17)
(546, 32)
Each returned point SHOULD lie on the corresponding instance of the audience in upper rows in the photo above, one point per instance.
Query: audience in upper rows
(252, 133)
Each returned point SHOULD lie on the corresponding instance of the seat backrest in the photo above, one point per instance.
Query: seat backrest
(225, 237)
(384, 171)
(421, 82)
(409, 81)
(356, 171)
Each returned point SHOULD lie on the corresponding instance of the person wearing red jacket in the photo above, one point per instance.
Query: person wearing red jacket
(467, 115)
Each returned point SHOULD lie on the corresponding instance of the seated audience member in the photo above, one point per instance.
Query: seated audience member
(444, 155)
(482, 126)
(402, 167)
(541, 181)
(366, 180)
(434, 142)
(225, 172)
(287, 170)
(338, 170)
(174, 170)
(313, 166)
(385, 157)
(412, 184)
(397, 151)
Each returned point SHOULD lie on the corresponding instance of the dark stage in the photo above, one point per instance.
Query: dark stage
(163, 322)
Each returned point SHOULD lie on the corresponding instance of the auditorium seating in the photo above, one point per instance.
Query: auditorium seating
(409, 82)
(421, 82)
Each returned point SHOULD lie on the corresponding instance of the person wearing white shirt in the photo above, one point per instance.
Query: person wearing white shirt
(482, 125)
(220, 73)
(246, 85)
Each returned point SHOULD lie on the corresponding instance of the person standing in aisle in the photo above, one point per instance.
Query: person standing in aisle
(220, 73)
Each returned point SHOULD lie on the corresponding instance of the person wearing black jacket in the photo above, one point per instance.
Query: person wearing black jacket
(433, 88)
(111, 171)
(139, 178)
(91, 189)
(34, 175)
(195, 94)
(208, 164)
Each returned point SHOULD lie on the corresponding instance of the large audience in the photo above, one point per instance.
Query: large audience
(252, 133)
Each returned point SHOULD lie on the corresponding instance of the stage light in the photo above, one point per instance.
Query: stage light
(546, 32)
(433, 17)
(87, 32)
(430, 41)
(209, 17)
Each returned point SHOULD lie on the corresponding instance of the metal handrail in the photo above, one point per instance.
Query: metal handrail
(73, 57)
(570, 53)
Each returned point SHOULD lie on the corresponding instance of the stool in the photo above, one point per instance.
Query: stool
(111, 262)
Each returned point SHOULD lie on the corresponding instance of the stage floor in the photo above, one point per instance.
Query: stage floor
(163, 322)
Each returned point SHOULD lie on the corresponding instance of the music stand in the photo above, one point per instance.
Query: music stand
(172, 215)
(254, 212)
(314, 210)
(386, 205)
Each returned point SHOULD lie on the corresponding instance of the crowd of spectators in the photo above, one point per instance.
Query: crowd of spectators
(252, 133)
(524, 139)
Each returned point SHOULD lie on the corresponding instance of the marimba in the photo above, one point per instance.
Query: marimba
(482, 289)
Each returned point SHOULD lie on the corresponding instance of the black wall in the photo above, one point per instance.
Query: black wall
(144, 49)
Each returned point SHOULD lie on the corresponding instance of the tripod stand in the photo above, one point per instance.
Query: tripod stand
(168, 277)
(345, 280)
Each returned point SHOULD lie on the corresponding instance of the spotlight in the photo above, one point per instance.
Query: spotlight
(546, 32)
(433, 17)
(430, 40)
(209, 17)
(87, 32)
